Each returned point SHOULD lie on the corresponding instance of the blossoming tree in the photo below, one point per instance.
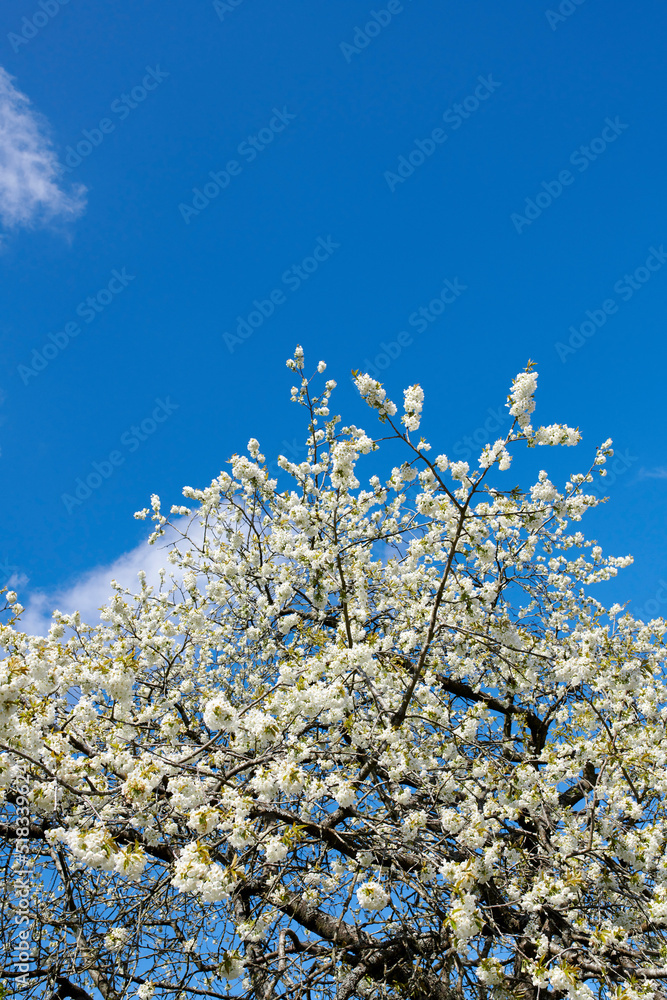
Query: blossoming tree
(373, 740)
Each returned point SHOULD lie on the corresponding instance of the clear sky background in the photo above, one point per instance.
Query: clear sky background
(125, 280)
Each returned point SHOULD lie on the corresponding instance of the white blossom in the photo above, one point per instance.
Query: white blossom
(371, 713)
(372, 896)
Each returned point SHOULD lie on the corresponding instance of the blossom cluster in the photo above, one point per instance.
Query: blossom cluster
(354, 701)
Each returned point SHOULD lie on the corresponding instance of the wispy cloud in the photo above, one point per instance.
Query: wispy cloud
(659, 472)
(30, 189)
(92, 590)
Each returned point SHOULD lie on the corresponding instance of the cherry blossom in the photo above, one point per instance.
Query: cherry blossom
(370, 733)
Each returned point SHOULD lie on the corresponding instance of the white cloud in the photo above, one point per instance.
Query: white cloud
(660, 472)
(30, 190)
(93, 589)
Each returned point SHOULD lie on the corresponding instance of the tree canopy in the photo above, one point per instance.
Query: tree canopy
(375, 740)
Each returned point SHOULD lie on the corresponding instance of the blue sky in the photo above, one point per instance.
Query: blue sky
(437, 192)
